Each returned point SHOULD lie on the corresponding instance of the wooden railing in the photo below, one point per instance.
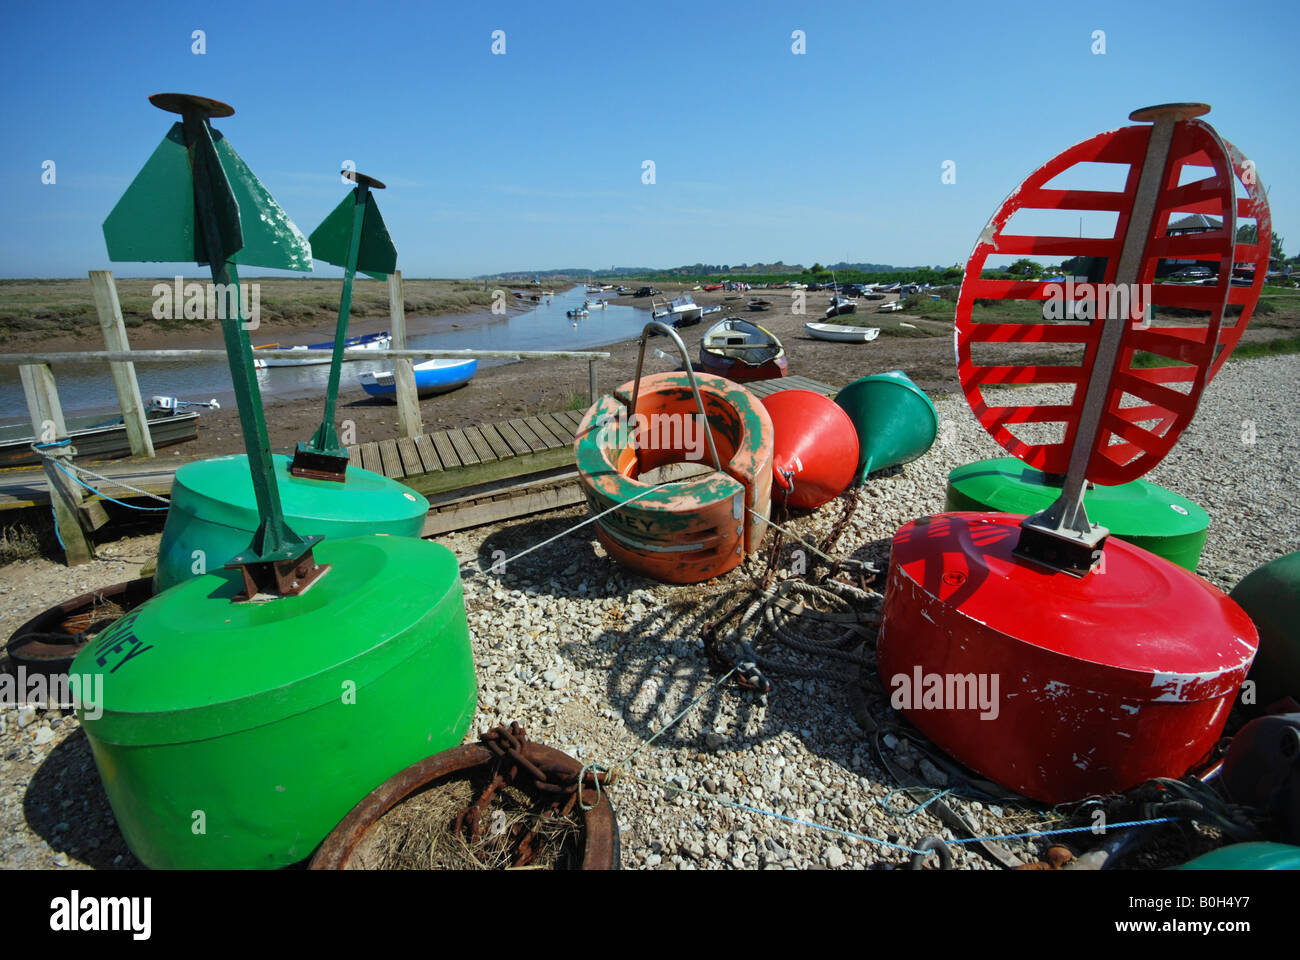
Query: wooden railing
(35, 369)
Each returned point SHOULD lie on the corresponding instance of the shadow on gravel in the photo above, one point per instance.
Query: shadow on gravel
(66, 806)
(558, 568)
(649, 679)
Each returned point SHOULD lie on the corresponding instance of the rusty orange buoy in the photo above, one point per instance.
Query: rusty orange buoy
(691, 529)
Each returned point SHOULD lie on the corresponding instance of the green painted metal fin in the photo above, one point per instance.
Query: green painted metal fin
(329, 242)
(154, 219)
(270, 238)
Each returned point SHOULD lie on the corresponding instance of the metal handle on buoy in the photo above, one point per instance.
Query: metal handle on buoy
(690, 373)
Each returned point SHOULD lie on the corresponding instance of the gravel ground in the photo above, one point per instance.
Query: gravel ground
(597, 662)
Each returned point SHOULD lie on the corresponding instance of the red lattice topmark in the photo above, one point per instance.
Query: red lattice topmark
(1147, 407)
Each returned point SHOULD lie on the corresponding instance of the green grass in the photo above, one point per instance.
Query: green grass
(1244, 351)
(68, 307)
(18, 542)
(1268, 348)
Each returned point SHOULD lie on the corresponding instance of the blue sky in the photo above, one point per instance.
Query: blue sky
(534, 159)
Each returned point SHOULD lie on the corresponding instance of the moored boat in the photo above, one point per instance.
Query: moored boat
(840, 305)
(741, 351)
(841, 332)
(98, 436)
(431, 377)
(320, 352)
(680, 311)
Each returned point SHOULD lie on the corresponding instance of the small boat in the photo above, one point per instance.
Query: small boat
(596, 304)
(713, 286)
(842, 332)
(892, 307)
(578, 312)
(432, 376)
(680, 311)
(759, 304)
(840, 305)
(98, 437)
(320, 352)
(742, 351)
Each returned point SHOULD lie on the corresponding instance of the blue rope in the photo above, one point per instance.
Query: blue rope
(884, 802)
(57, 535)
(898, 846)
(100, 493)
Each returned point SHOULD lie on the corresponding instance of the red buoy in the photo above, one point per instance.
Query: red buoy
(1095, 664)
(815, 450)
(1057, 686)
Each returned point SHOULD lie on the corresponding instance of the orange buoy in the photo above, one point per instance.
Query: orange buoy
(814, 448)
(691, 529)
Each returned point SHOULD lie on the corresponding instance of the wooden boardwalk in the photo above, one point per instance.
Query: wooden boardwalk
(471, 475)
(455, 459)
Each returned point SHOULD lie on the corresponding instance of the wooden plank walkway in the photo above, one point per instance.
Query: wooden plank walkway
(434, 463)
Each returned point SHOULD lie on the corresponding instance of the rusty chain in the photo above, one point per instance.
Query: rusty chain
(513, 768)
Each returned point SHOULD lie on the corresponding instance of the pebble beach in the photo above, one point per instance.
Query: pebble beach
(611, 668)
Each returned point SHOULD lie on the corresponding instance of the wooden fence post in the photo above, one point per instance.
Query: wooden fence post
(47, 425)
(408, 400)
(128, 388)
(42, 402)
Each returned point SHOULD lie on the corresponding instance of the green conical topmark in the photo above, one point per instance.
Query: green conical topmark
(185, 205)
(354, 237)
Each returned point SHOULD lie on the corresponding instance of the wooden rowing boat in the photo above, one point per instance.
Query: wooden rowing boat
(841, 332)
(440, 375)
(98, 436)
(320, 352)
(741, 351)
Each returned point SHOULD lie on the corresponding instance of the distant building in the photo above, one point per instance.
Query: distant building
(1192, 223)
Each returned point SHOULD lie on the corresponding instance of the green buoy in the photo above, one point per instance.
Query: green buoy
(1259, 855)
(1271, 597)
(896, 422)
(214, 512)
(215, 509)
(238, 734)
(1140, 512)
(238, 715)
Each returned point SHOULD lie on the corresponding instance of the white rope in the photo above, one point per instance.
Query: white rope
(100, 476)
(500, 565)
